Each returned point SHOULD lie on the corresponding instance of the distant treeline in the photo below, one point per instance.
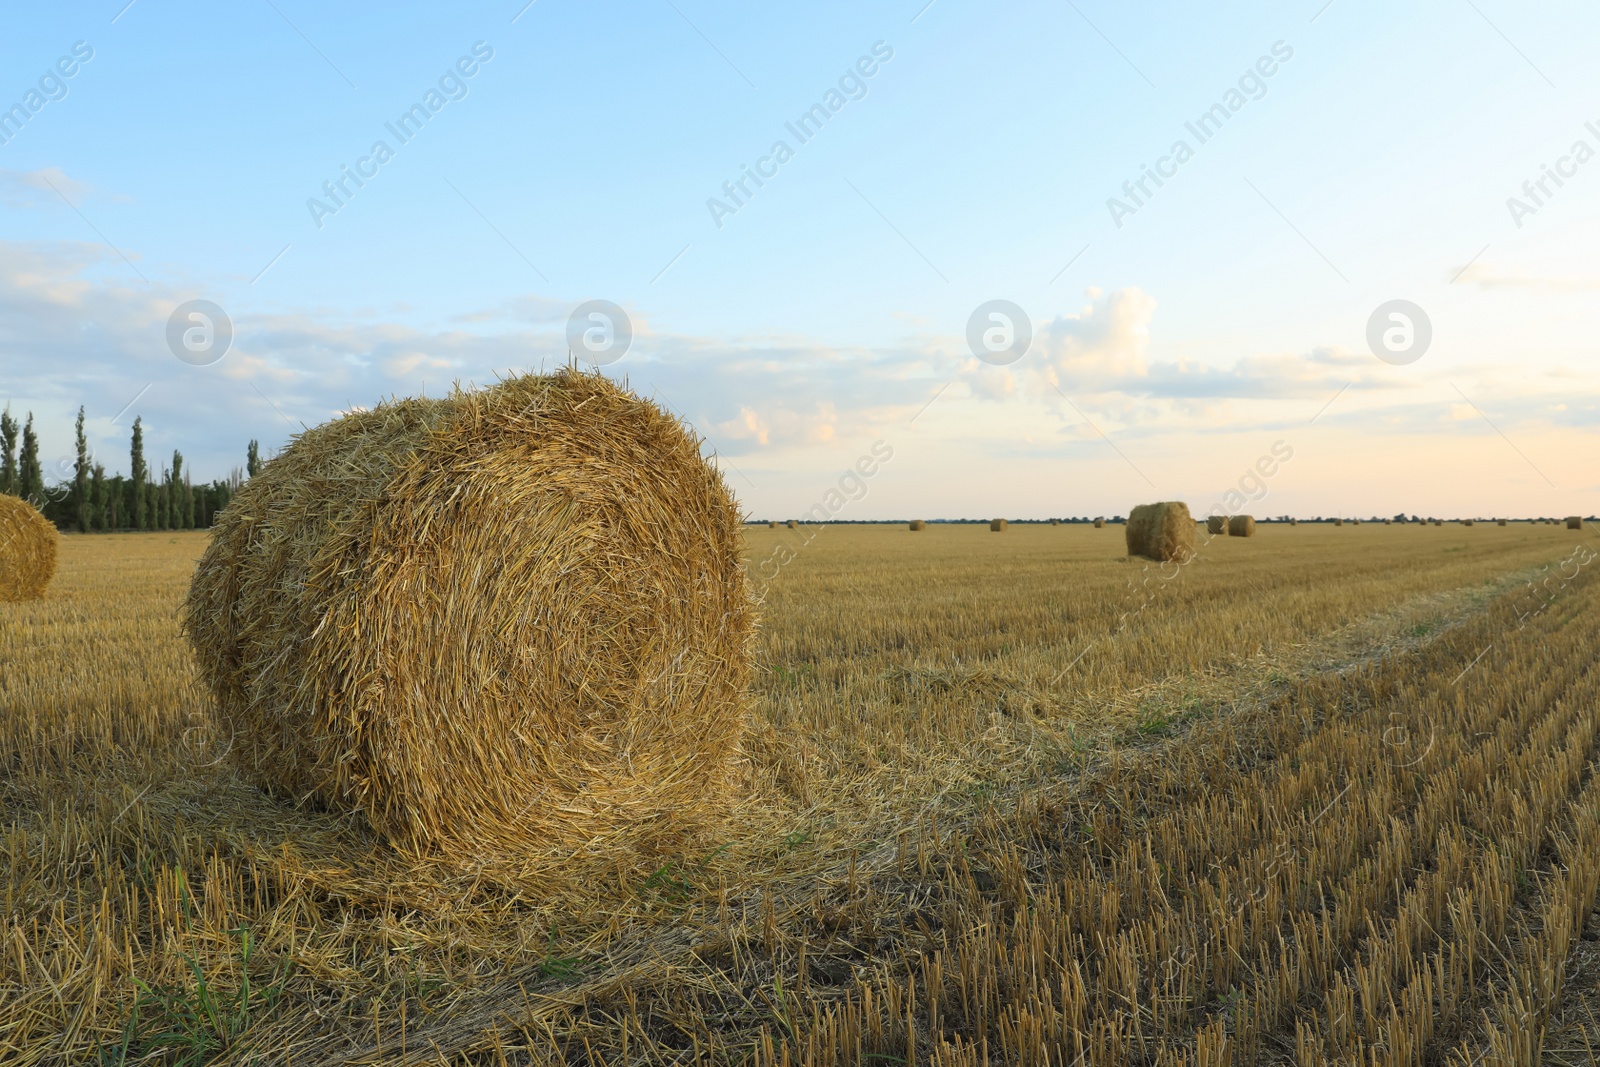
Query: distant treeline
(90, 501)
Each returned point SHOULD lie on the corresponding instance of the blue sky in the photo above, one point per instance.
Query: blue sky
(1228, 311)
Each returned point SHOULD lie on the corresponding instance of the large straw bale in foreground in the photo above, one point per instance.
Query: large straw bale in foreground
(1241, 526)
(1161, 531)
(500, 622)
(28, 543)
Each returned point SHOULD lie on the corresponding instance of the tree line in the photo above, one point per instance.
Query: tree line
(90, 501)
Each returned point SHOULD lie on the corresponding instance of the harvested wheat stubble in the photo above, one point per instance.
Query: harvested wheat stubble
(510, 623)
(28, 544)
(917, 524)
(1161, 532)
(997, 525)
(1241, 526)
(1216, 524)
(1574, 522)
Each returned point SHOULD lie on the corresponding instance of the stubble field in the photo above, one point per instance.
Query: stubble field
(1322, 795)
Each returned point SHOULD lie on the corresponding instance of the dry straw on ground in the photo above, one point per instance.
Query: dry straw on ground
(1574, 522)
(997, 525)
(1242, 526)
(917, 524)
(1161, 531)
(27, 550)
(510, 623)
(1216, 524)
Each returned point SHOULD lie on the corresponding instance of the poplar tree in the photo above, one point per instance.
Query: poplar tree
(31, 475)
(82, 505)
(139, 504)
(9, 483)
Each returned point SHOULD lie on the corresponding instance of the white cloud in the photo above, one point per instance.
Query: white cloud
(41, 188)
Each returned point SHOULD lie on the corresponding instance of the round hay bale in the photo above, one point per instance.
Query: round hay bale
(997, 526)
(917, 524)
(1241, 526)
(794, 524)
(1161, 532)
(1574, 522)
(1099, 524)
(773, 525)
(497, 623)
(1338, 522)
(1216, 524)
(1499, 522)
(1355, 522)
(1466, 522)
(1055, 522)
(28, 543)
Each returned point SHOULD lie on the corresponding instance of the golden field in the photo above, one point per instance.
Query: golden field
(1322, 795)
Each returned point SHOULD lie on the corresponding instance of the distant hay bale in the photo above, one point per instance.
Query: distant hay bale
(1355, 522)
(1438, 522)
(1499, 522)
(773, 525)
(1574, 522)
(794, 524)
(1241, 526)
(917, 524)
(28, 543)
(1161, 532)
(997, 525)
(1099, 524)
(1216, 524)
(1466, 522)
(1386, 522)
(1338, 522)
(1294, 522)
(500, 623)
(1055, 522)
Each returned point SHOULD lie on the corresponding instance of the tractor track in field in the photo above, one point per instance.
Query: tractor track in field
(701, 951)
